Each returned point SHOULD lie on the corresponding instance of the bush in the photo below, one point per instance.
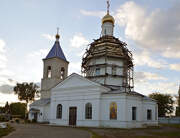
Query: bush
(27, 121)
(2, 118)
(11, 121)
(34, 121)
(17, 121)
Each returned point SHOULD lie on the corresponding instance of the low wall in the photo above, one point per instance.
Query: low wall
(169, 120)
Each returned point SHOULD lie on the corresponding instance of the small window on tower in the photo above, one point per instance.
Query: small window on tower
(97, 71)
(105, 31)
(134, 113)
(149, 114)
(49, 72)
(113, 70)
(62, 73)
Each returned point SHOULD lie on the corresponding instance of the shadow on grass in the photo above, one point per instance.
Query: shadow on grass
(161, 131)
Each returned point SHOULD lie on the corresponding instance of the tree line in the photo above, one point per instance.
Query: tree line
(26, 92)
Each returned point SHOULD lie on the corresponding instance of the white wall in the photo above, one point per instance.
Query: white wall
(76, 98)
(124, 111)
(43, 114)
(77, 91)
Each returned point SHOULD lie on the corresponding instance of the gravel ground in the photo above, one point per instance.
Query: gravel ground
(46, 131)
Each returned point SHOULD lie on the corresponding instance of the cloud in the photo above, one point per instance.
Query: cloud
(78, 41)
(4, 72)
(144, 58)
(49, 37)
(170, 53)
(40, 53)
(6, 89)
(147, 76)
(34, 66)
(93, 13)
(3, 58)
(2, 46)
(156, 31)
(162, 87)
(175, 67)
(75, 67)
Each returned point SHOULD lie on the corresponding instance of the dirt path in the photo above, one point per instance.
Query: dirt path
(45, 131)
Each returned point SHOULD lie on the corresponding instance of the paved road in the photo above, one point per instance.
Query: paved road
(45, 131)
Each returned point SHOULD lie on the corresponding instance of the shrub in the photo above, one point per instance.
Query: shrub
(2, 118)
(28, 121)
(17, 121)
(34, 121)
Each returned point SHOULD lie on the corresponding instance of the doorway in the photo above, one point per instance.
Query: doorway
(35, 116)
(72, 116)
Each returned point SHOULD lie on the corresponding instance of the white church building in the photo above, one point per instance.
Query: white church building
(103, 96)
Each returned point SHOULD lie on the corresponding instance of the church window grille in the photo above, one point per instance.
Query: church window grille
(113, 111)
(88, 111)
(62, 73)
(97, 71)
(59, 111)
(49, 72)
(134, 113)
(149, 114)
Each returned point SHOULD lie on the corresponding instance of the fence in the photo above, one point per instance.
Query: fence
(169, 120)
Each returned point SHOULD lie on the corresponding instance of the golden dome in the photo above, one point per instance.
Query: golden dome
(108, 18)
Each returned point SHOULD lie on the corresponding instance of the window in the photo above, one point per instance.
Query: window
(59, 111)
(133, 113)
(49, 72)
(88, 111)
(113, 70)
(113, 111)
(97, 71)
(62, 73)
(105, 31)
(156, 112)
(149, 114)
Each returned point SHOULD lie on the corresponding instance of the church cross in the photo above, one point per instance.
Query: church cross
(57, 30)
(108, 5)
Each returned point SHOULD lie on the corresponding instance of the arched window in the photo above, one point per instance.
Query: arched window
(113, 111)
(62, 73)
(49, 72)
(59, 111)
(88, 111)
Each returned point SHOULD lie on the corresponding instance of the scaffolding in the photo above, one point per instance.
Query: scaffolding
(110, 47)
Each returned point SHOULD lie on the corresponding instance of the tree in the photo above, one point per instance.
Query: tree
(2, 110)
(7, 108)
(178, 103)
(18, 109)
(26, 91)
(165, 103)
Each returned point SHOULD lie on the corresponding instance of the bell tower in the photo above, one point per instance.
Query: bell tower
(55, 68)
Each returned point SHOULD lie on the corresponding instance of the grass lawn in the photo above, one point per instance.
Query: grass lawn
(6, 131)
(161, 131)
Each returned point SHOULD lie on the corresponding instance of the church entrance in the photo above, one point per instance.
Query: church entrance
(35, 116)
(72, 115)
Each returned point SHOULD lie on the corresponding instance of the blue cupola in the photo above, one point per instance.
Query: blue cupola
(56, 50)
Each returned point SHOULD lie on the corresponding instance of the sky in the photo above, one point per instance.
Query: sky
(151, 29)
